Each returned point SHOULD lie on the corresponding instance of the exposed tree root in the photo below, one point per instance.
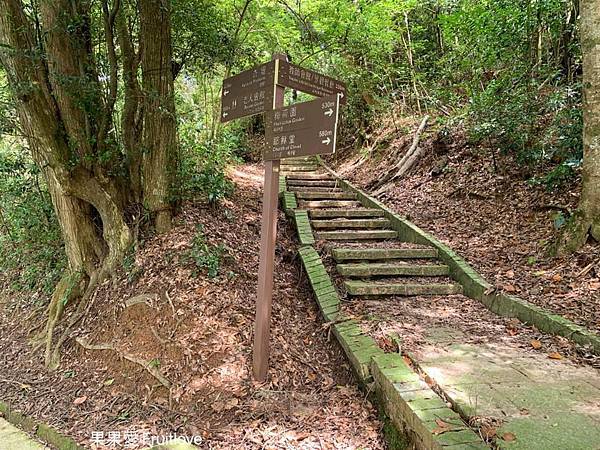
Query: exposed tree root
(405, 163)
(72, 287)
(148, 365)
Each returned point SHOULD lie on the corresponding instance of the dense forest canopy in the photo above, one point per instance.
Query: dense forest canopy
(109, 108)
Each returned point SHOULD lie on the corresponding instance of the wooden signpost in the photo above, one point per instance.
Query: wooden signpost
(249, 92)
(303, 129)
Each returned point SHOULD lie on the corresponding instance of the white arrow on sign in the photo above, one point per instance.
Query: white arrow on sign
(329, 112)
(225, 114)
(225, 92)
(326, 141)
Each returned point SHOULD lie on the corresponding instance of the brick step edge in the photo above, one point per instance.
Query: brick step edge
(380, 374)
(474, 285)
(414, 407)
(51, 437)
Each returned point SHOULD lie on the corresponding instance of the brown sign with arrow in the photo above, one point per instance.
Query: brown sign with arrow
(302, 129)
(248, 93)
(311, 82)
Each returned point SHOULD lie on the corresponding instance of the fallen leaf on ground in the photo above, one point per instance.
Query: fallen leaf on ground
(80, 400)
(488, 431)
(442, 427)
(439, 430)
(509, 288)
(441, 423)
(555, 355)
(536, 344)
(557, 277)
(509, 437)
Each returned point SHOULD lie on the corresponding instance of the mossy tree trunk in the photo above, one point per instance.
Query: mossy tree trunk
(585, 222)
(99, 179)
(158, 136)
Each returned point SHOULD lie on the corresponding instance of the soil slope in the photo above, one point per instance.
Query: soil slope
(196, 332)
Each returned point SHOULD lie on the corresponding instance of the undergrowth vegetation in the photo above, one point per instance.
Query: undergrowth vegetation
(206, 257)
(31, 252)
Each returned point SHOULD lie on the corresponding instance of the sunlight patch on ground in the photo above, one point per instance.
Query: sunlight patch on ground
(247, 175)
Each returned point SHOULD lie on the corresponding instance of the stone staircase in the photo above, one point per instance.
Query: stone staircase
(368, 254)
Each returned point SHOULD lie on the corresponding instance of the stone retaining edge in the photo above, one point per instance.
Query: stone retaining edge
(42, 431)
(392, 378)
(49, 436)
(474, 285)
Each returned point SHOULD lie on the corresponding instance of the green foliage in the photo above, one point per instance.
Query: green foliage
(206, 256)
(31, 251)
(511, 68)
(203, 165)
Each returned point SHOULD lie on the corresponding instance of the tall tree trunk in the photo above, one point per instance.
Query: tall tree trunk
(586, 221)
(60, 106)
(131, 116)
(159, 130)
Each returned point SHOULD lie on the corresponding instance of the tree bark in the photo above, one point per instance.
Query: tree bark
(159, 130)
(586, 221)
(131, 116)
(67, 121)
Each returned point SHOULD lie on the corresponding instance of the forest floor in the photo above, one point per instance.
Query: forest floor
(502, 224)
(197, 333)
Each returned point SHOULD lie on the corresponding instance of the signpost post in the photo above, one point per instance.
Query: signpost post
(268, 234)
(308, 128)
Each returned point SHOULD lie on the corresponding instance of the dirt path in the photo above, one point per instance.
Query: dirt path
(196, 331)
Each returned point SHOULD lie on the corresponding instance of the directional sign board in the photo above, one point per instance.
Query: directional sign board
(248, 93)
(306, 80)
(303, 129)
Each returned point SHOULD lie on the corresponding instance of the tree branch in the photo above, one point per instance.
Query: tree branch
(109, 26)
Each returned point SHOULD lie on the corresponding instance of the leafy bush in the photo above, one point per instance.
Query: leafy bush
(31, 250)
(203, 165)
(205, 255)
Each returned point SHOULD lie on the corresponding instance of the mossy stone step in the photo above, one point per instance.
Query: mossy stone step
(351, 235)
(325, 196)
(298, 168)
(345, 213)
(311, 183)
(383, 269)
(347, 254)
(366, 288)
(351, 223)
(298, 160)
(13, 438)
(309, 176)
(309, 204)
(313, 189)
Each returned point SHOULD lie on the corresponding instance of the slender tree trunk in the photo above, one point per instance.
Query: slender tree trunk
(586, 221)
(159, 132)
(132, 111)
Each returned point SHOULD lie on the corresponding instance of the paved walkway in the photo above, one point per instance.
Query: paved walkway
(11, 438)
(544, 404)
